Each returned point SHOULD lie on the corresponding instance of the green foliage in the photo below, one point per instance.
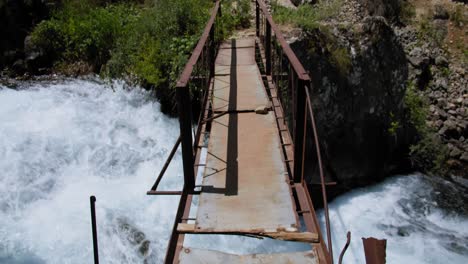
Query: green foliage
(82, 31)
(407, 12)
(145, 63)
(458, 16)
(394, 125)
(465, 56)
(445, 71)
(306, 15)
(427, 31)
(418, 108)
(429, 152)
(340, 58)
(149, 43)
(236, 14)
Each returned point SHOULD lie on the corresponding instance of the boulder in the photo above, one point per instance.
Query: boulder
(441, 61)
(356, 105)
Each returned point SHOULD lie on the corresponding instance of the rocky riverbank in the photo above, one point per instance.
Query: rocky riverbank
(390, 86)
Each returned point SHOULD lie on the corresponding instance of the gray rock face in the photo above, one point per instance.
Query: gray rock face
(389, 9)
(16, 18)
(356, 107)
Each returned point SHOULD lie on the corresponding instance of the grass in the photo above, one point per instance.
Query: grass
(427, 31)
(458, 16)
(306, 16)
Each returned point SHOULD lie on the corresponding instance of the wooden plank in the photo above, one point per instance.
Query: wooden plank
(304, 237)
(185, 228)
(203, 256)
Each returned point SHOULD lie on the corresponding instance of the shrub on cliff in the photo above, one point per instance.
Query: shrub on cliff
(428, 153)
(81, 30)
(148, 43)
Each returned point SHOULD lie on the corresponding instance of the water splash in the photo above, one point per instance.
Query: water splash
(414, 213)
(62, 142)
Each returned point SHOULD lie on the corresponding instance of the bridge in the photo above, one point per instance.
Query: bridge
(243, 161)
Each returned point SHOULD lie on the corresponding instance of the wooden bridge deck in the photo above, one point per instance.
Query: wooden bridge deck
(245, 187)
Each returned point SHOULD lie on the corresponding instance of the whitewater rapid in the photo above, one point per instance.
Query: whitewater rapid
(424, 219)
(62, 141)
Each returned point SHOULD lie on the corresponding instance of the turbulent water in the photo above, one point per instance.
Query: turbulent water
(424, 219)
(61, 142)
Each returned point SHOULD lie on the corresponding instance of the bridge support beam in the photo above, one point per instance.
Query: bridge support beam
(184, 107)
(268, 48)
(299, 129)
(257, 19)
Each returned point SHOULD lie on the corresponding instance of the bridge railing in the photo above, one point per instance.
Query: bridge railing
(293, 87)
(194, 81)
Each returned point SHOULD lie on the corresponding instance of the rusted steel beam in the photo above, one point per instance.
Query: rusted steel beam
(311, 220)
(176, 240)
(164, 192)
(348, 241)
(166, 165)
(300, 131)
(302, 74)
(185, 121)
(257, 20)
(92, 201)
(322, 178)
(374, 250)
(268, 49)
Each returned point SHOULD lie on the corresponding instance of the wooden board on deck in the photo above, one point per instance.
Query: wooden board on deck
(202, 256)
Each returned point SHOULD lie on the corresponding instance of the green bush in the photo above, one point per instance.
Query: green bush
(82, 31)
(418, 108)
(458, 16)
(407, 12)
(428, 153)
(427, 31)
(306, 15)
(148, 43)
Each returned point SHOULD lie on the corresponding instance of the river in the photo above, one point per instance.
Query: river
(62, 141)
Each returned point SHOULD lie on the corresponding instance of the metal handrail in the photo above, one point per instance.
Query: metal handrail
(204, 52)
(295, 63)
(299, 84)
(302, 106)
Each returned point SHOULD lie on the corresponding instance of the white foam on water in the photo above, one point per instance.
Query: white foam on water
(403, 210)
(61, 143)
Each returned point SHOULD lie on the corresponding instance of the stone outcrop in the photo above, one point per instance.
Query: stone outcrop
(443, 80)
(17, 18)
(361, 63)
(359, 77)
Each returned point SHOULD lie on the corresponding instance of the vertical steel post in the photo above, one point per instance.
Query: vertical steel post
(185, 121)
(212, 51)
(92, 201)
(299, 124)
(268, 47)
(257, 19)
